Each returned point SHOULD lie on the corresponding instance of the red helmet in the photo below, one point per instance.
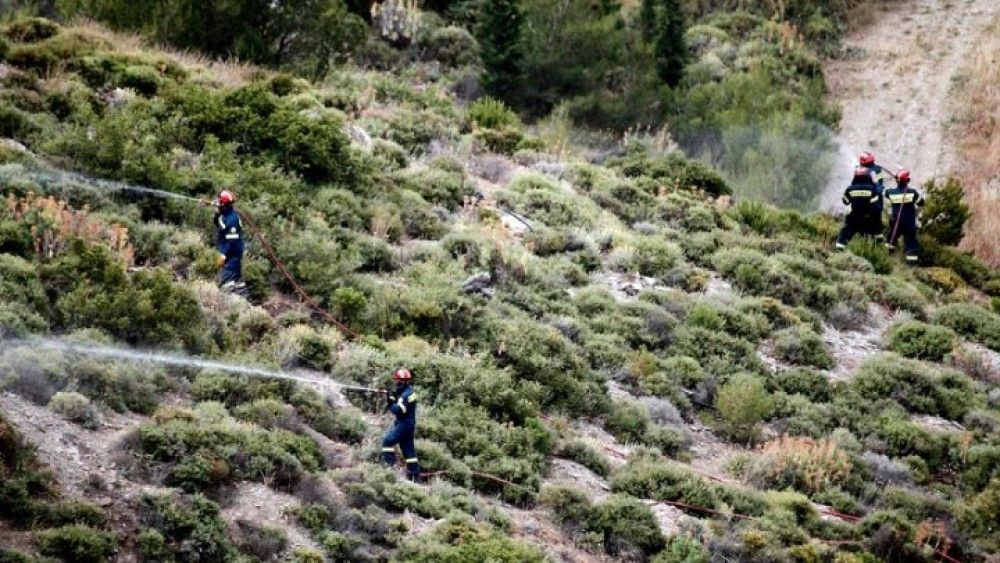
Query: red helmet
(226, 197)
(903, 175)
(866, 158)
(402, 374)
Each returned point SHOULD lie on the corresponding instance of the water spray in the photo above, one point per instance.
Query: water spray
(105, 351)
(52, 178)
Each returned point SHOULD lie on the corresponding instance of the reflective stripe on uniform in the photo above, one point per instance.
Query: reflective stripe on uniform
(901, 198)
(222, 222)
(873, 199)
(411, 460)
(232, 236)
(841, 245)
(912, 258)
(860, 193)
(388, 449)
(399, 403)
(412, 398)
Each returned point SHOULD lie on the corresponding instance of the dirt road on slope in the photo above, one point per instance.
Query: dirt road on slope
(894, 86)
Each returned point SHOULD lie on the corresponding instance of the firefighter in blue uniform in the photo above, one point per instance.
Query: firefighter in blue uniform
(862, 196)
(879, 175)
(229, 243)
(402, 402)
(905, 201)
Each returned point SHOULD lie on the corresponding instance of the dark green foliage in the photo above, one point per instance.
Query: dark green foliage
(92, 289)
(682, 548)
(801, 346)
(804, 381)
(921, 341)
(571, 507)
(77, 543)
(31, 30)
(971, 321)
(207, 454)
(499, 35)
(586, 456)
(626, 524)
(872, 251)
(459, 541)
(916, 386)
(742, 404)
(660, 481)
(944, 214)
(671, 169)
(543, 355)
(305, 34)
(671, 52)
(188, 529)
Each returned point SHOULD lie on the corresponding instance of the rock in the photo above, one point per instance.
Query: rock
(478, 283)
(360, 136)
(13, 145)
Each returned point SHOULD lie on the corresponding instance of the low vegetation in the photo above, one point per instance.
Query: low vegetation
(621, 301)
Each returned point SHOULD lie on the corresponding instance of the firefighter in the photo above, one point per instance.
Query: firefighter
(862, 196)
(402, 402)
(879, 175)
(905, 201)
(229, 243)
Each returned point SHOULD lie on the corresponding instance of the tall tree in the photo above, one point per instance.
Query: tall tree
(671, 52)
(499, 34)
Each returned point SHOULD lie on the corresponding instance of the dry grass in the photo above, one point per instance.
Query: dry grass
(978, 131)
(228, 73)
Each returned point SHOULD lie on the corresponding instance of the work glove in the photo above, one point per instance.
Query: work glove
(220, 259)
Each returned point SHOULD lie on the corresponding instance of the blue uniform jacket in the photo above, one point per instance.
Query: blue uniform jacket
(229, 237)
(878, 176)
(905, 201)
(862, 198)
(405, 407)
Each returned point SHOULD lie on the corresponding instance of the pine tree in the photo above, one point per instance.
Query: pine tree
(499, 35)
(647, 19)
(671, 53)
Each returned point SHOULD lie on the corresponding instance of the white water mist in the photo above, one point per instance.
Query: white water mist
(178, 360)
(50, 179)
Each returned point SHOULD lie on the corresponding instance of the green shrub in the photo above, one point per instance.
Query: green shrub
(921, 341)
(188, 529)
(628, 421)
(77, 543)
(945, 211)
(803, 381)
(660, 481)
(453, 46)
(972, 322)
(571, 507)
(586, 456)
(802, 346)
(491, 114)
(916, 386)
(75, 407)
(457, 541)
(742, 404)
(682, 548)
(874, 252)
(204, 450)
(626, 524)
(146, 308)
(31, 30)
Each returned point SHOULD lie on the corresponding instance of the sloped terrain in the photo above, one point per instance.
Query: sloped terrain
(897, 85)
(613, 362)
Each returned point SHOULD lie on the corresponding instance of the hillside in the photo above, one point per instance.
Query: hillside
(614, 361)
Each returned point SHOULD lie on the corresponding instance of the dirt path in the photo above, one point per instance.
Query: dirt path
(894, 86)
